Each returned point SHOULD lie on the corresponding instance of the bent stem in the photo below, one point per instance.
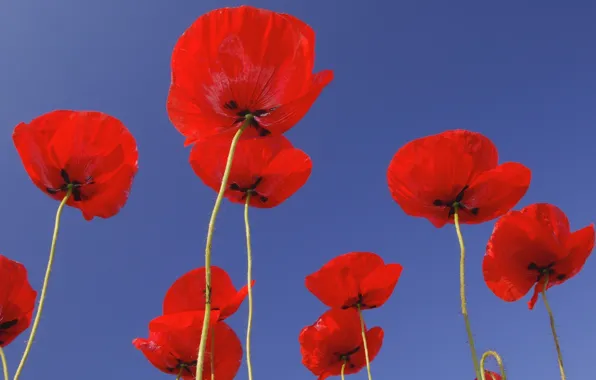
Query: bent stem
(462, 293)
(212, 356)
(499, 361)
(343, 369)
(249, 279)
(4, 364)
(44, 287)
(210, 229)
(180, 374)
(363, 331)
(553, 330)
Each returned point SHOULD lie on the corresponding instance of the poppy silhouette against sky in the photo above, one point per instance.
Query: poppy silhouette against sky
(519, 73)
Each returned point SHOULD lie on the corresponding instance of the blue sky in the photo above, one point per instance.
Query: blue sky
(521, 72)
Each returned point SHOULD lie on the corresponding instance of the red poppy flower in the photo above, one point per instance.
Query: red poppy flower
(92, 152)
(334, 339)
(173, 341)
(17, 300)
(430, 176)
(232, 62)
(488, 375)
(530, 245)
(356, 278)
(188, 293)
(270, 169)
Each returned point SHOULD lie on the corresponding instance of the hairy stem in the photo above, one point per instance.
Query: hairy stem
(4, 364)
(44, 287)
(462, 294)
(499, 361)
(363, 332)
(210, 230)
(343, 369)
(249, 280)
(553, 330)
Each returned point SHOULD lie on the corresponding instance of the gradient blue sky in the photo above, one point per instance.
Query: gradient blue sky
(521, 72)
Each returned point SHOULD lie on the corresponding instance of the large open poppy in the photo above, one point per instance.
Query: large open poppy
(270, 169)
(531, 245)
(90, 152)
(188, 293)
(235, 62)
(17, 300)
(354, 279)
(433, 176)
(334, 339)
(173, 340)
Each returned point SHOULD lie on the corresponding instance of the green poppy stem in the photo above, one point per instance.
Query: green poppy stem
(212, 356)
(553, 330)
(462, 293)
(499, 360)
(210, 230)
(249, 280)
(44, 287)
(4, 364)
(179, 374)
(363, 332)
(343, 369)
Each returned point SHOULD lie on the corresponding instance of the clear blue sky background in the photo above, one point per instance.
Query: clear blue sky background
(521, 72)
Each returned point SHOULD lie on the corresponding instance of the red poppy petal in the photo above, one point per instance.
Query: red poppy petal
(496, 191)
(157, 356)
(579, 245)
(236, 301)
(491, 376)
(552, 217)
(374, 342)
(517, 240)
(228, 353)
(378, 286)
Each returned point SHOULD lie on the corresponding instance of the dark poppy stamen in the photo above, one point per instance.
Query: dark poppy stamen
(252, 190)
(359, 303)
(231, 105)
(546, 270)
(76, 186)
(456, 203)
(8, 324)
(244, 114)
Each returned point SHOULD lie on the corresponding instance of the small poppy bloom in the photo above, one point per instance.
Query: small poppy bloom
(488, 375)
(188, 293)
(355, 279)
(235, 62)
(270, 169)
(17, 300)
(432, 176)
(173, 340)
(335, 339)
(529, 246)
(90, 152)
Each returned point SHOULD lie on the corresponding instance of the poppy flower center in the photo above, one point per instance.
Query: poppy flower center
(346, 356)
(252, 190)
(243, 113)
(357, 302)
(184, 366)
(456, 203)
(75, 185)
(546, 270)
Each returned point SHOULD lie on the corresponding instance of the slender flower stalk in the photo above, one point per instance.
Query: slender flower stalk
(553, 330)
(343, 369)
(44, 287)
(462, 293)
(210, 230)
(249, 281)
(365, 343)
(499, 361)
(4, 364)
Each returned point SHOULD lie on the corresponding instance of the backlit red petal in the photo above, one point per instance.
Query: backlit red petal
(378, 286)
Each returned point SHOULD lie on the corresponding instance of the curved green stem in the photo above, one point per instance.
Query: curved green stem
(44, 287)
(249, 279)
(212, 356)
(343, 369)
(179, 374)
(363, 332)
(553, 330)
(210, 229)
(499, 361)
(462, 293)
(4, 364)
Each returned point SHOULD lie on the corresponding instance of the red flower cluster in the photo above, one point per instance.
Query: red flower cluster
(17, 300)
(347, 284)
(174, 336)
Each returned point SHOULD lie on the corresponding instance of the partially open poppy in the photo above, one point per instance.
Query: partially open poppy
(336, 339)
(17, 300)
(188, 293)
(432, 176)
(232, 62)
(531, 245)
(488, 375)
(91, 152)
(173, 340)
(354, 279)
(270, 169)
